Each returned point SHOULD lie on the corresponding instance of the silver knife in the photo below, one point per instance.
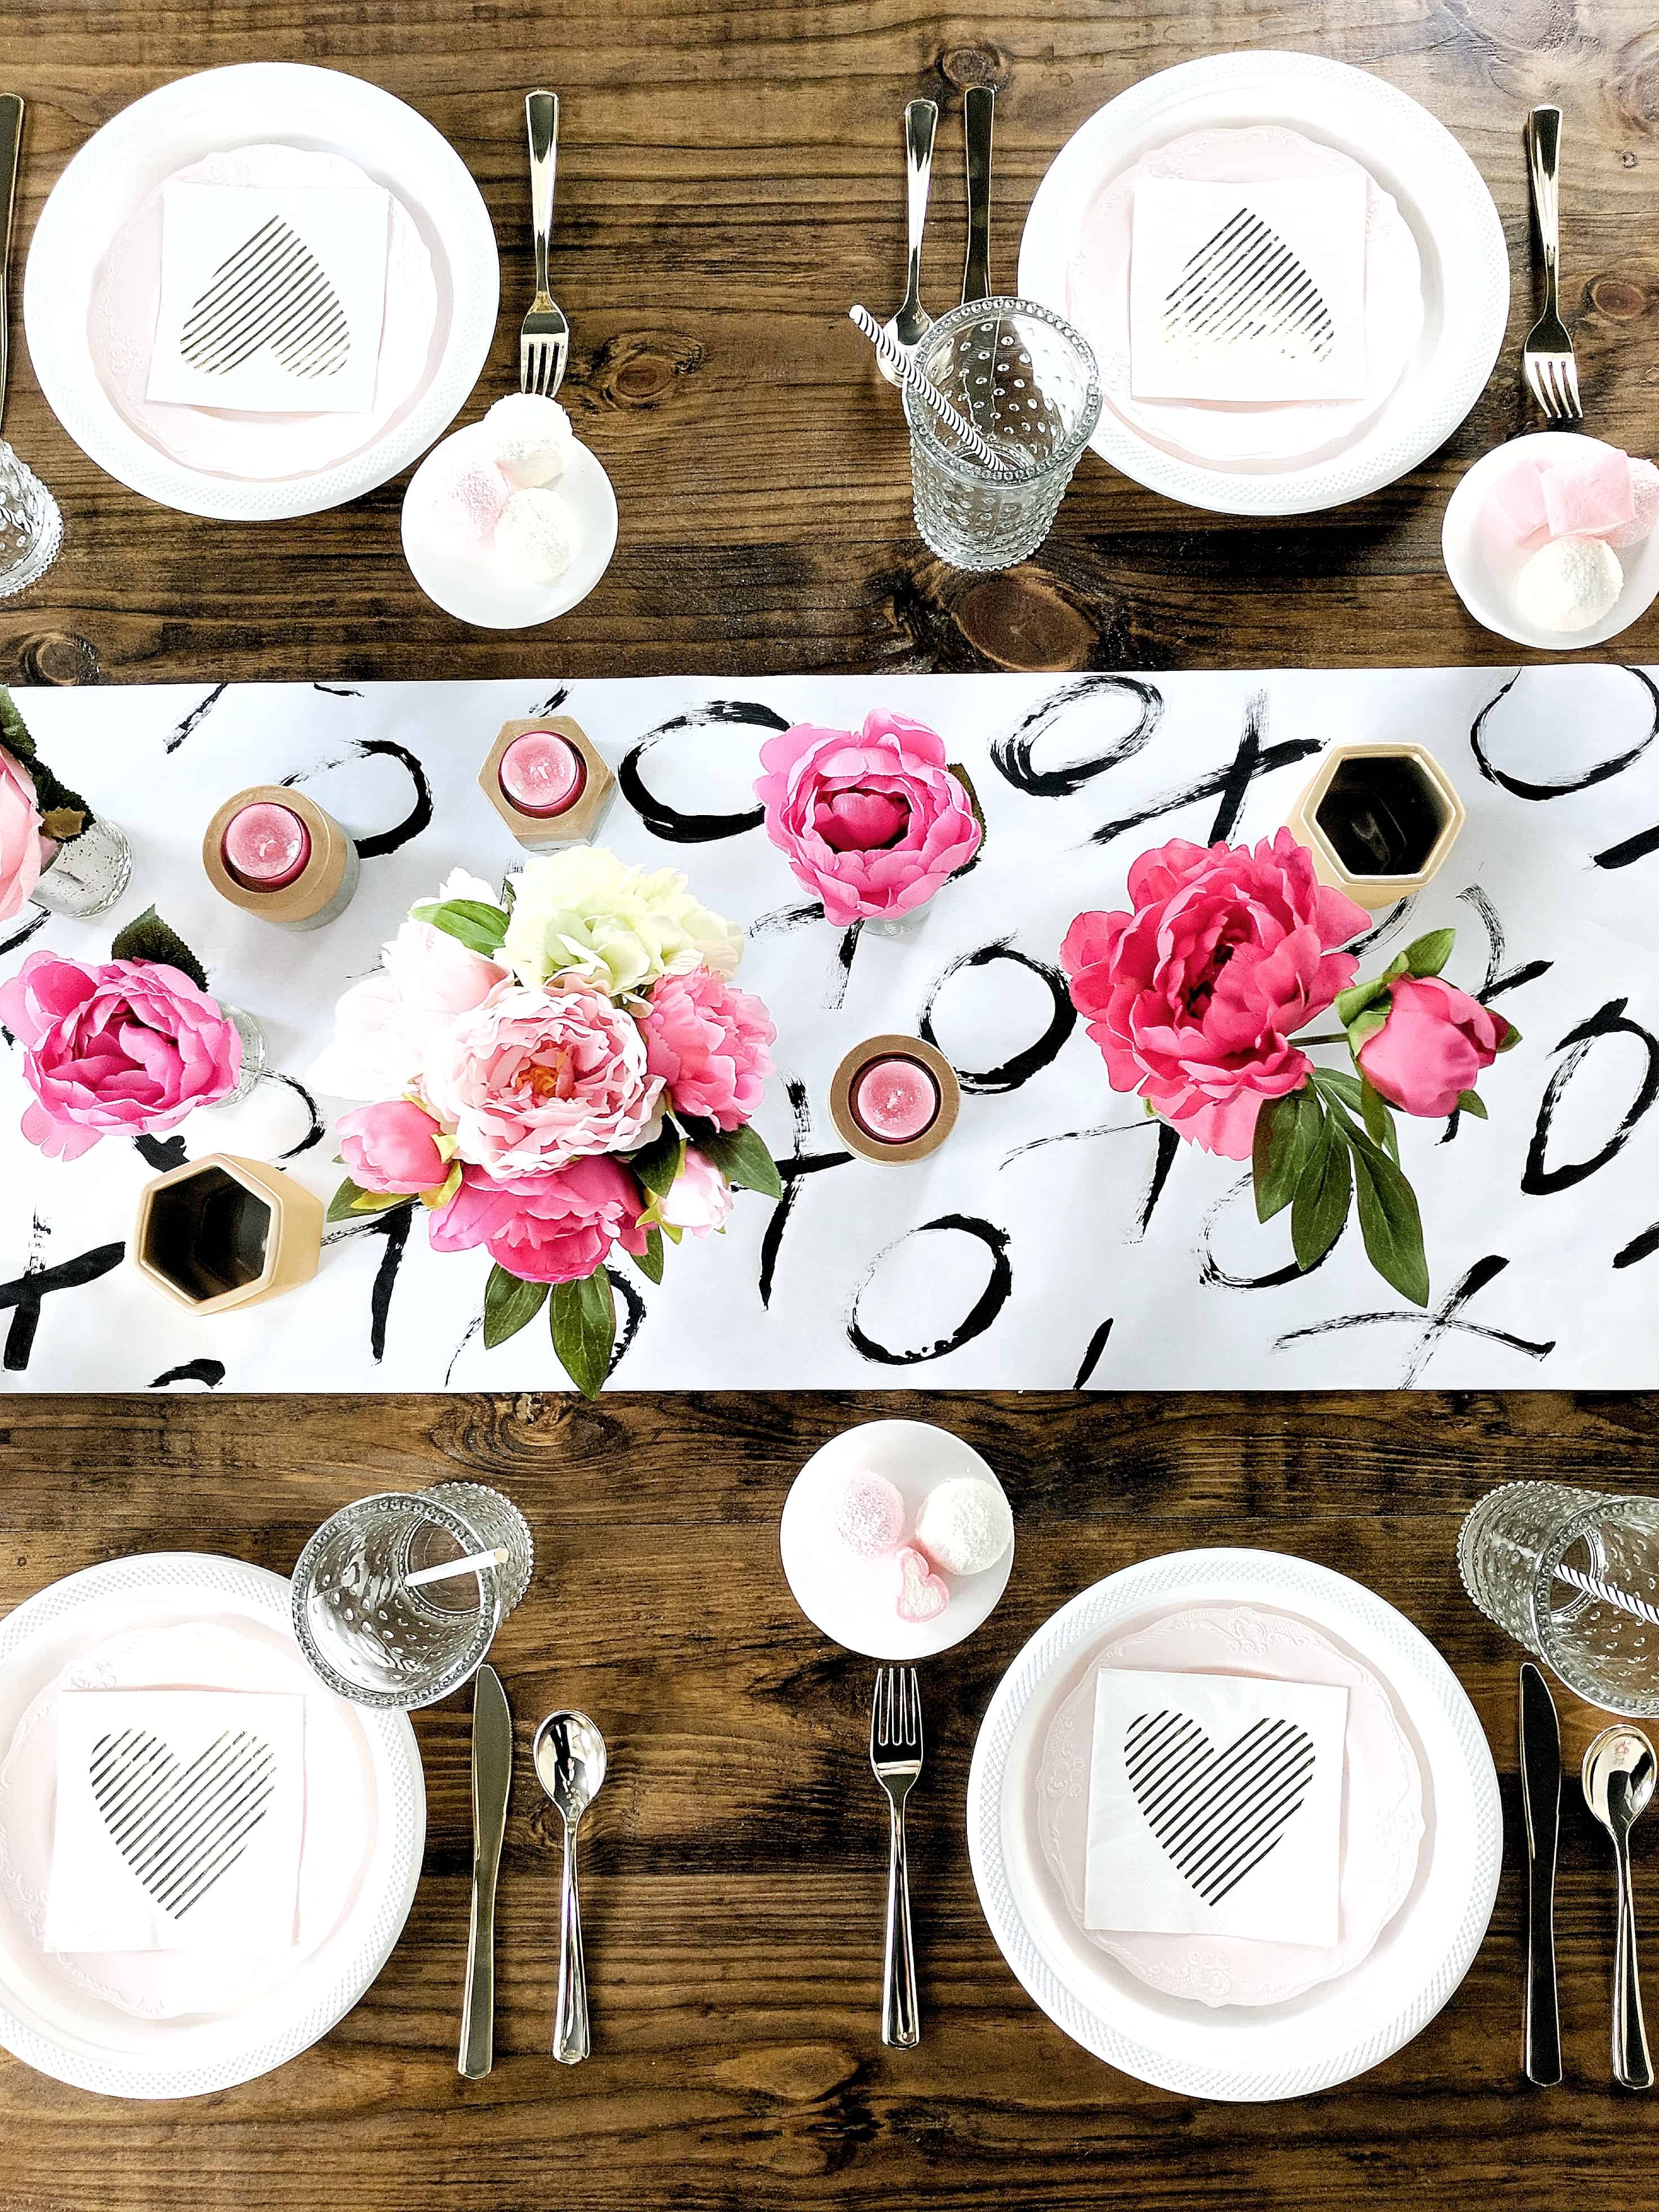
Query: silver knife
(492, 1778)
(978, 110)
(1540, 1799)
(11, 140)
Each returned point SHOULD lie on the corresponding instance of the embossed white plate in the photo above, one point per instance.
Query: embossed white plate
(1330, 2032)
(53, 2015)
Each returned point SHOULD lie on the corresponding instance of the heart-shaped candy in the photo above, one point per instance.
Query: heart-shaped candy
(921, 1594)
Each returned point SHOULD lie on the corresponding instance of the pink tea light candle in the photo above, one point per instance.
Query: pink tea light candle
(279, 856)
(895, 1098)
(543, 773)
(265, 846)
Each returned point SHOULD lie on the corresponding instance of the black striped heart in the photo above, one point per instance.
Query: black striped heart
(1245, 287)
(271, 291)
(1217, 1815)
(180, 1828)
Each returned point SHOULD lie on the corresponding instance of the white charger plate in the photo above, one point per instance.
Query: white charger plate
(1437, 189)
(289, 102)
(1330, 2032)
(59, 2027)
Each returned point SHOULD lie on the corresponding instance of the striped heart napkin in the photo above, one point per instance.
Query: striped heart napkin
(272, 297)
(178, 1822)
(1215, 1806)
(1247, 291)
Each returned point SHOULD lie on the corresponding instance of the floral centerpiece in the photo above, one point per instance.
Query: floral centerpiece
(555, 1077)
(1198, 997)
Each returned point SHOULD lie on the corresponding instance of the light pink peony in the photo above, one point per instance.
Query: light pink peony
(709, 1044)
(20, 835)
(873, 824)
(545, 1228)
(122, 1049)
(1195, 996)
(1433, 1046)
(534, 1079)
(699, 1199)
(391, 1146)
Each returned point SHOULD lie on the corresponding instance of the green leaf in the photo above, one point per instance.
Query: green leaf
(1391, 1225)
(649, 1262)
(149, 938)
(583, 1319)
(742, 1157)
(1286, 1132)
(1511, 1039)
(51, 796)
(1373, 1112)
(510, 1304)
(1321, 1205)
(350, 1199)
(1354, 1001)
(1365, 1027)
(1428, 955)
(480, 928)
(657, 1164)
(1471, 1102)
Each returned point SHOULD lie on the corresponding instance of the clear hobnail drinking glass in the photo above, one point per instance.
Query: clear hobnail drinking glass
(1510, 1552)
(253, 1054)
(1029, 381)
(86, 873)
(31, 527)
(376, 1641)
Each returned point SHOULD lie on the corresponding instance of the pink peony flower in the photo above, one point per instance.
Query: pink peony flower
(532, 1080)
(1434, 1045)
(391, 1146)
(699, 1199)
(122, 1049)
(545, 1228)
(20, 835)
(873, 824)
(1193, 996)
(709, 1044)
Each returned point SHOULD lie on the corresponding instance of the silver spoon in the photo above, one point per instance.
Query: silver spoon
(1618, 1778)
(569, 1756)
(913, 322)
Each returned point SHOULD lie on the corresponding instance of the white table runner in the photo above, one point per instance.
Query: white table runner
(1058, 1239)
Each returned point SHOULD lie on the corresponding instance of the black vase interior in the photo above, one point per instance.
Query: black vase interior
(1381, 814)
(208, 1233)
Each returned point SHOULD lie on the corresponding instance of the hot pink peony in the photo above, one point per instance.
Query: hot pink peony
(699, 1199)
(120, 1049)
(545, 1228)
(392, 1146)
(709, 1044)
(20, 835)
(1195, 996)
(1433, 1046)
(873, 824)
(534, 1079)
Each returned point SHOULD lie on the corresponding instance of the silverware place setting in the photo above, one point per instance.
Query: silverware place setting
(912, 323)
(1546, 358)
(1618, 1776)
(895, 1760)
(544, 335)
(570, 1762)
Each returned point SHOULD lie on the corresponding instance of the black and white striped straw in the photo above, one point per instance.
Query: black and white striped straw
(969, 433)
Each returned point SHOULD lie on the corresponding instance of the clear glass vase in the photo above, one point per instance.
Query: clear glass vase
(31, 527)
(86, 873)
(254, 1054)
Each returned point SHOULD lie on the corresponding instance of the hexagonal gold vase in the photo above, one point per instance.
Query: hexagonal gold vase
(224, 1232)
(1425, 794)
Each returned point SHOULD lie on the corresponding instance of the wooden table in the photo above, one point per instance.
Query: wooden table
(729, 179)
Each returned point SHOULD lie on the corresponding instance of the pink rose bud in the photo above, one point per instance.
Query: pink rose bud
(699, 1199)
(392, 1148)
(1433, 1047)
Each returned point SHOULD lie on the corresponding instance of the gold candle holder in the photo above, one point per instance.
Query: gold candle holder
(324, 886)
(576, 822)
(861, 1136)
(223, 1232)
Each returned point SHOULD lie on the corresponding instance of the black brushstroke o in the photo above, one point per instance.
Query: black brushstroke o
(1214, 1276)
(419, 816)
(36, 921)
(319, 1128)
(984, 1311)
(1035, 1056)
(1012, 756)
(667, 822)
(1538, 1181)
(633, 1306)
(210, 1372)
(1601, 773)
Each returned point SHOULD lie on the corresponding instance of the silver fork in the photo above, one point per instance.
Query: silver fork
(895, 1758)
(544, 335)
(1546, 361)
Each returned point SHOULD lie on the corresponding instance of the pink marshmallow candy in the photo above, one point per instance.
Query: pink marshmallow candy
(1589, 498)
(1517, 501)
(1644, 505)
(921, 1595)
(476, 500)
(867, 1514)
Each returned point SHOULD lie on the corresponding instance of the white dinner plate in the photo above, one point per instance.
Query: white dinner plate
(1414, 159)
(288, 103)
(54, 2020)
(1332, 2031)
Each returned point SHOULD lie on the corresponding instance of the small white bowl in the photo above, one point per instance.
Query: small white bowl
(851, 1600)
(1483, 563)
(467, 580)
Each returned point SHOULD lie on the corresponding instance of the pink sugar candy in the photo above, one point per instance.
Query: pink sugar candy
(476, 500)
(1589, 498)
(1644, 501)
(867, 1514)
(1518, 500)
(921, 1594)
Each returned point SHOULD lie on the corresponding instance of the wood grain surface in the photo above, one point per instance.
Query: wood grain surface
(729, 180)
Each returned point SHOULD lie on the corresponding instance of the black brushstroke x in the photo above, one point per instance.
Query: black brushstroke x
(1445, 1320)
(793, 1172)
(26, 1293)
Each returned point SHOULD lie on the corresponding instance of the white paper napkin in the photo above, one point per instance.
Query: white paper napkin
(1215, 1806)
(272, 296)
(1247, 291)
(178, 1820)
